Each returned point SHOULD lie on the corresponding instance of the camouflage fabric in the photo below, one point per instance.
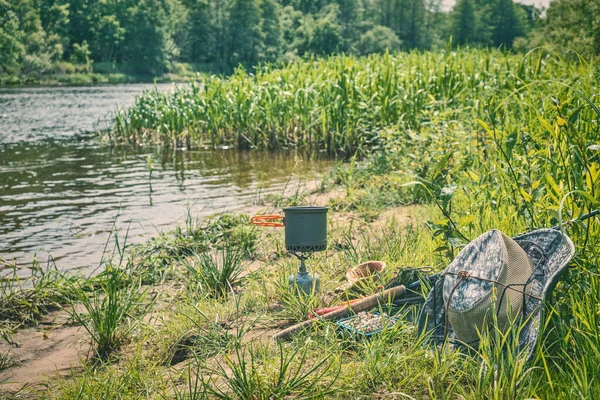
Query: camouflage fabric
(549, 250)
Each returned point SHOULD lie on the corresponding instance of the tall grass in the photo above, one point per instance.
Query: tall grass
(257, 373)
(345, 104)
(25, 301)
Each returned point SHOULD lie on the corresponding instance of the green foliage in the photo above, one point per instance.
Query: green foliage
(246, 39)
(271, 30)
(146, 37)
(573, 25)
(25, 301)
(464, 22)
(346, 105)
(214, 274)
(11, 48)
(110, 311)
(149, 36)
(81, 55)
(107, 37)
(379, 40)
(507, 23)
(325, 34)
(199, 43)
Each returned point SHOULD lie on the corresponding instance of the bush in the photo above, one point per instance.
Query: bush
(81, 56)
(378, 40)
(64, 67)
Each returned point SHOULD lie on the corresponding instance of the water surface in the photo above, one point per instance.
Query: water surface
(60, 191)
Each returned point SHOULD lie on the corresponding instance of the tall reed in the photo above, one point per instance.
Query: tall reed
(341, 104)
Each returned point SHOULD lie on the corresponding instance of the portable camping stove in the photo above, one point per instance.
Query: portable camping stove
(305, 233)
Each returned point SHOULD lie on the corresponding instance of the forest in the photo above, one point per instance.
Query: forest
(149, 37)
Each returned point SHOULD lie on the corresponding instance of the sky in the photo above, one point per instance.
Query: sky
(448, 4)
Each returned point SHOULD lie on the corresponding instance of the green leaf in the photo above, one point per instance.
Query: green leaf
(546, 125)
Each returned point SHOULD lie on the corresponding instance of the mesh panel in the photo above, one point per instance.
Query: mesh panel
(508, 293)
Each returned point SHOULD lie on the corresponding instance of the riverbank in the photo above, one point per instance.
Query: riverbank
(179, 323)
(102, 76)
(90, 79)
(176, 330)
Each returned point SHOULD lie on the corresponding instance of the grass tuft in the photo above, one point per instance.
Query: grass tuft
(214, 274)
(111, 312)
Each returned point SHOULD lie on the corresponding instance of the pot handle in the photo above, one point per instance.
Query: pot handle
(267, 220)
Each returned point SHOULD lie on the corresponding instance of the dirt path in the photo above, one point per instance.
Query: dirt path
(42, 354)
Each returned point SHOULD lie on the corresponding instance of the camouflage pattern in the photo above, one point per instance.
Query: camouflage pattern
(483, 264)
(549, 250)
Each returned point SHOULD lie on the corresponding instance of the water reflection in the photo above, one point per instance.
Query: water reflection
(60, 191)
(62, 198)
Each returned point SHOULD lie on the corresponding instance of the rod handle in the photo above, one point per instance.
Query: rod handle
(364, 304)
(267, 220)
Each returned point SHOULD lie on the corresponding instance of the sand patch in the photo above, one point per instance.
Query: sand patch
(43, 354)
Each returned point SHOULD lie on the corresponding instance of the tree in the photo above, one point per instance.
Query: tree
(200, 37)
(506, 23)
(378, 40)
(292, 28)
(82, 14)
(34, 56)
(349, 16)
(11, 49)
(54, 17)
(145, 41)
(81, 56)
(484, 10)
(415, 34)
(271, 30)
(571, 25)
(407, 19)
(245, 34)
(464, 23)
(107, 36)
(326, 36)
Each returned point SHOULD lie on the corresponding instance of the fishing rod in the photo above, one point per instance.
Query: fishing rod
(578, 219)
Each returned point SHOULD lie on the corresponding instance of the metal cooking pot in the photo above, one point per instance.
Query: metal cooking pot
(305, 227)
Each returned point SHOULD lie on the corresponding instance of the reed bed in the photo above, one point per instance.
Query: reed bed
(341, 104)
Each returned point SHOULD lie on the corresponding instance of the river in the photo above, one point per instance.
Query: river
(61, 191)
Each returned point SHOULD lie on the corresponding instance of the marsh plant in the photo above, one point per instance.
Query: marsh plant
(215, 273)
(111, 312)
(23, 301)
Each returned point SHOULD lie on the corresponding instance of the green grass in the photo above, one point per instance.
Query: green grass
(25, 301)
(214, 274)
(155, 259)
(111, 312)
(260, 373)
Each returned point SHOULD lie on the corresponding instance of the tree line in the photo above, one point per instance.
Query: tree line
(148, 36)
